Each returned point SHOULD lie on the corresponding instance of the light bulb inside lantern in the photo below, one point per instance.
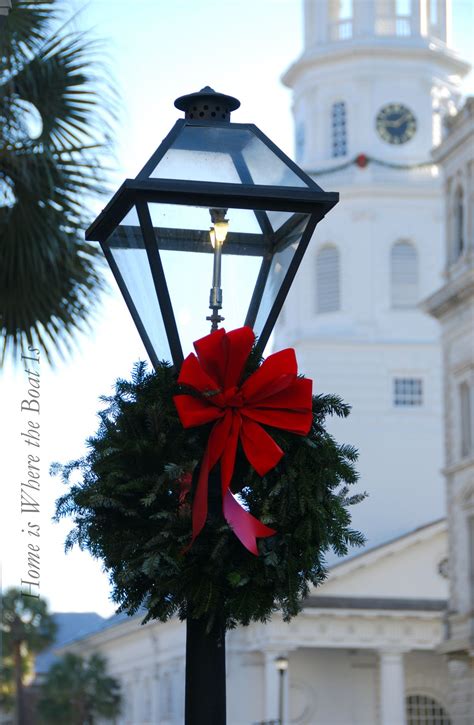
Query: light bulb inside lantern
(212, 236)
(217, 235)
(220, 232)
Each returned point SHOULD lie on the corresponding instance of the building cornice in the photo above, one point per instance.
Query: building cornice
(367, 629)
(456, 646)
(463, 465)
(378, 603)
(459, 128)
(454, 293)
(413, 49)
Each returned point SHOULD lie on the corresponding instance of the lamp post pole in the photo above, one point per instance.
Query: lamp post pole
(282, 666)
(205, 692)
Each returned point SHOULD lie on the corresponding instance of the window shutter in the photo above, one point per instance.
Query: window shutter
(404, 275)
(327, 280)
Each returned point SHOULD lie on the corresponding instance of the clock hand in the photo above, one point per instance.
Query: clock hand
(399, 122)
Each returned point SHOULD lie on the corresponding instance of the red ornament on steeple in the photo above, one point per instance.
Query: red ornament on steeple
(362, 161)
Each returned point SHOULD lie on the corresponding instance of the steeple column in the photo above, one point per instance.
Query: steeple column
(442, 21)
(419, 17)
(364, 18)
(316, 22)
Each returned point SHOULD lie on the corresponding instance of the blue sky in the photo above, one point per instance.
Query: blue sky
(156, 50)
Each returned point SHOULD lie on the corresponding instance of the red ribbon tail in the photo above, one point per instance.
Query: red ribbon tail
(200, 498)
(245, 526)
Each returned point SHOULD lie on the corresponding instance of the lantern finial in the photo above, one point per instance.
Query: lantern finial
(207, 105)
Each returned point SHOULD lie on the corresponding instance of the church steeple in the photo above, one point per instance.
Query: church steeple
(376, 77)
(330, 21)
(370, 91)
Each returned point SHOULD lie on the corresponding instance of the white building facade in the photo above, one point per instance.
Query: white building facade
(453, 306)
(374, 81)
(362, 652)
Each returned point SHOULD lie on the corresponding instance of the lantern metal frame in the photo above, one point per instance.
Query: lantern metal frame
(309, 200)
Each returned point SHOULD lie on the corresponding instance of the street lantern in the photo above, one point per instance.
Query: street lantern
(212, 189)
(215, 204)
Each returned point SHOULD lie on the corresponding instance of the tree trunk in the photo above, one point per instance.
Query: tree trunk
(18, 716)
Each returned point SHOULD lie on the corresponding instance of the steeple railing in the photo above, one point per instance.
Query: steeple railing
(398, 25)
(341, 29)
(390, 25)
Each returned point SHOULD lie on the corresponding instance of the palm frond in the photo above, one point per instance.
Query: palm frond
(50, 278)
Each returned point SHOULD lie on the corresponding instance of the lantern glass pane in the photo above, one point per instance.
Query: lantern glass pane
(182, 217)
(280, 264)
(225, 154)
(187, 256)
(184, 250)
(189, 279)
(127, 249)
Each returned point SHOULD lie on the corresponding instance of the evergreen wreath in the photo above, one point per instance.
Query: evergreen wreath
(131, 508)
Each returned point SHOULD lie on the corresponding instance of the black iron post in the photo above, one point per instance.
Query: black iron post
(205, 702)
(280, 696)
(282, 666)
(205, 698)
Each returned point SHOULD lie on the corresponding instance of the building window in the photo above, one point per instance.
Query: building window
(327, 280)
(407, 392)
(339, 129)
(465, 404)
(404, 275)
(424, 710)
(458, 231)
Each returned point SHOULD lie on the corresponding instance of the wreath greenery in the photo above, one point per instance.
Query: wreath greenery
(130, 510)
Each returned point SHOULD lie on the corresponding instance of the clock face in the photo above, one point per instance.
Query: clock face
(395, 123)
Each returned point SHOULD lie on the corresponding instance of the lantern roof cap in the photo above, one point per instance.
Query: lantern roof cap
(207, 104)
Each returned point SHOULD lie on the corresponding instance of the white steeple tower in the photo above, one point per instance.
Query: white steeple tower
(374, 80)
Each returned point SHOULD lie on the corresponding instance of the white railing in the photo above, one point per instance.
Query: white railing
(399, 25)
(341, 30)
(402, 25)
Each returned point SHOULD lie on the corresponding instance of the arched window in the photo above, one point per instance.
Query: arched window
(424, 710)
(339, 129)
(404, 275)
(458, 231)
(327, 280)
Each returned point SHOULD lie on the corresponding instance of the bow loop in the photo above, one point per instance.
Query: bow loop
(273, 395)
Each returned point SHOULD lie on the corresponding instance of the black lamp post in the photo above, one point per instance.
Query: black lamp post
(281, 664)
(220, 188)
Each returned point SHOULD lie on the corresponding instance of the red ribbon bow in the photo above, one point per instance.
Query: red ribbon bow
(272, 395)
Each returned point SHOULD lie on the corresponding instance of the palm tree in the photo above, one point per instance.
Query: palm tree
(26, 628)
(78, 691)
(53, 134)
